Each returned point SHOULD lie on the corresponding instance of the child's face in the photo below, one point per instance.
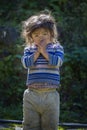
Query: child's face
(41, 35)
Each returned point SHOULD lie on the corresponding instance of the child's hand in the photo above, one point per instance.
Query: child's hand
(42, 46)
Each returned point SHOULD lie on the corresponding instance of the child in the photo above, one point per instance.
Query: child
(43, 57)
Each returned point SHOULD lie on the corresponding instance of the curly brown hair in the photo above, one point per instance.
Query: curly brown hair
(41, 20)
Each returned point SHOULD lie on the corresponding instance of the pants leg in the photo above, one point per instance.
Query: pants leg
(31, 118)
(50, 117)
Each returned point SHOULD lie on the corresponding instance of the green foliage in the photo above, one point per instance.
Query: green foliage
(11, 88)
(71, 17)
(73, 90)
(13, 111)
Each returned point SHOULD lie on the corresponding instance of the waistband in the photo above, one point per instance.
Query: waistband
(43, 90)
(42, 86)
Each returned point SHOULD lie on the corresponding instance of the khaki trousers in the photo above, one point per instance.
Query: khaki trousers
(41, 110)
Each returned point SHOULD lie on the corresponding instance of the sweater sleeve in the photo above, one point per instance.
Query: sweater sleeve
(56, 56)
(28, 58)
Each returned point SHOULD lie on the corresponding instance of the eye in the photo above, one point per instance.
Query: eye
(36, 35)
(44, 33)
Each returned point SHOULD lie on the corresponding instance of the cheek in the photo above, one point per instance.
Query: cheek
(49, 37)
(36, 40)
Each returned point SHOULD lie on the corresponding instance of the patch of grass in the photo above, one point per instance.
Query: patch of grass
(13, 126)
(60, 128)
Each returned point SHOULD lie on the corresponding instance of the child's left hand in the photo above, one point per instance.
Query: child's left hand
(42, 46)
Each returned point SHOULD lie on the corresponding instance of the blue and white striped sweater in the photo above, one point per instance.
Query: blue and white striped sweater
(43, 71)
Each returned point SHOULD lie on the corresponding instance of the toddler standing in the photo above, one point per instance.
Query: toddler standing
(43, 57)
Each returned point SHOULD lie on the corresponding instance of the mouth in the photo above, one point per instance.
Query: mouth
(41, 41)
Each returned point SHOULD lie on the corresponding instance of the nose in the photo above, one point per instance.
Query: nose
(40, 35)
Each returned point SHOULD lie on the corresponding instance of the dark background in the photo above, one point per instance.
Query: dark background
(71, 17)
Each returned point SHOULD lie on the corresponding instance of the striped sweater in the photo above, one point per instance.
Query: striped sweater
(43, 71)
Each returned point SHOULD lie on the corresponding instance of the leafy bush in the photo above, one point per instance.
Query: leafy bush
(71, 17)
(73, 90)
